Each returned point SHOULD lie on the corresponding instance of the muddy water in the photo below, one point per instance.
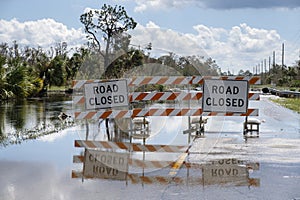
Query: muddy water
(221, 165)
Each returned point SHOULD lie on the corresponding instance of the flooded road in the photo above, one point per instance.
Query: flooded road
(220, 165)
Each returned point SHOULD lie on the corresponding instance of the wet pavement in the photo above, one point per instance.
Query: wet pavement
(220, 165)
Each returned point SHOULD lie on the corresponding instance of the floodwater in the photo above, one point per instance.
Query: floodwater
(39, 160)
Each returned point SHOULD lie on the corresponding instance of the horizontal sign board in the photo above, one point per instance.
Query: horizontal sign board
(100, 95)
(225, 96)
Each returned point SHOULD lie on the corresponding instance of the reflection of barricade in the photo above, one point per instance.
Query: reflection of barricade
(117, 166)
(104, 159)
(129, 146)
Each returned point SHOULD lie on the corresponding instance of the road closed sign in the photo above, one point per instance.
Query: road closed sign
(225, 96)
(107, 94)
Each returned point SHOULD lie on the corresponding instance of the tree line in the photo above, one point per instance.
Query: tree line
(278, 75)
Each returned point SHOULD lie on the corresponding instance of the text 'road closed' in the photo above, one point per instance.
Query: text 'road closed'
(106, 94)
(225, 96)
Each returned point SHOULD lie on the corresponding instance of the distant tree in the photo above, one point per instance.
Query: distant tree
(74, 64)
(245, 73)
(132, 58)
(106, 23)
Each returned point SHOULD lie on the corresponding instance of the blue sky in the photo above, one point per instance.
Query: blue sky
(238, 34)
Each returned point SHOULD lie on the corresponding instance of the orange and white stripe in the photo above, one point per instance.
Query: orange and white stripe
(183, 80)
(162, 164)
(151, 164)
(140, 112)
(79, 174)
(137, 163)
(165, 96)
(129, 146)
(253, 96)
(250, 112)
(161, 80)
(78, 159)
(253, 80)
(136, 179)
(164, 180)
(171, 80)
(78, 84)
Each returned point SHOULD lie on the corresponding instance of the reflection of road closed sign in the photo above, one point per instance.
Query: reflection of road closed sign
(107, 165)
(225, 96)
(106, 94)
(225, 171)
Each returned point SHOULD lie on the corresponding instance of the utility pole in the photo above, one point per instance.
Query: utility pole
(265, 61)
(256, 70)
(282, 57)
(273, 59)
(262, 72)
(269, 65)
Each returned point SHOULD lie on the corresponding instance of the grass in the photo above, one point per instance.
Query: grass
(55, 88)
(290, 103)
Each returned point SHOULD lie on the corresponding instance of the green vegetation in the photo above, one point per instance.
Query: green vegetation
(290, 103)
(28, 72)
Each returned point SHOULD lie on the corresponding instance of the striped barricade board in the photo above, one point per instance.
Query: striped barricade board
(140, 112)
(171, 80)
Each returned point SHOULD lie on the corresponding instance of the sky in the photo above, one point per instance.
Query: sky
(238, 34)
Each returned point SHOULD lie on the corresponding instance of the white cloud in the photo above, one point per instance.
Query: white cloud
(43, 33)
(247, 39)
(143, 5)
(165, 40)
(240, 47)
